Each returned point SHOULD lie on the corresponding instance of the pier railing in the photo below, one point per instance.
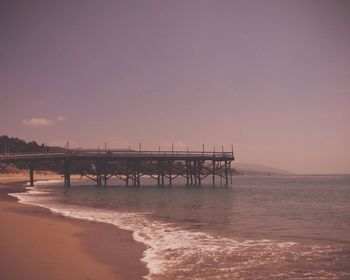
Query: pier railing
(152, 153)
(117, 153)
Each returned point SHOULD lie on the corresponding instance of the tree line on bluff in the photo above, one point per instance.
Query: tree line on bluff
(16, 145)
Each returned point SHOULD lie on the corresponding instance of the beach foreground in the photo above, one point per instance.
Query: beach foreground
(264, 227)
(35, 244)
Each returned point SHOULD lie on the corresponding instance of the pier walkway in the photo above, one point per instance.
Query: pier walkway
(130, 166)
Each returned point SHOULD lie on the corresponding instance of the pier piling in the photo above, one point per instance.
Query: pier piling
(31, 173)
(66, 172)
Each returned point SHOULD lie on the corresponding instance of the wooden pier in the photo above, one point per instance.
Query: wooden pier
(130, 166)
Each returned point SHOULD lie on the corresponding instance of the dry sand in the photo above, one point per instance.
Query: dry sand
(23, 176)
(35, 244)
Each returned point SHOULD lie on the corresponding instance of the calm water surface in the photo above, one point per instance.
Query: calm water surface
(259, 228)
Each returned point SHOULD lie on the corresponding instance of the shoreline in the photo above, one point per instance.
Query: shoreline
(37, 244)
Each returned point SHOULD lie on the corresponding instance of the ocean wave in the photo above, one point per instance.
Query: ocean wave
(175, 253)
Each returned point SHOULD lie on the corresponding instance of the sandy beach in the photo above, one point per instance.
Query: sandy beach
(35, 244)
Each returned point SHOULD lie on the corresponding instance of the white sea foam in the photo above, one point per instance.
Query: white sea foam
(173, 252)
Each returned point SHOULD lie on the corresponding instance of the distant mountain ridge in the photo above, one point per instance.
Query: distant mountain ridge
(256, 169)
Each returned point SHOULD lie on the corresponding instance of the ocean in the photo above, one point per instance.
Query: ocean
(260, 227)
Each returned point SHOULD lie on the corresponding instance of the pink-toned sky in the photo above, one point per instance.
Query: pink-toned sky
(270, 77)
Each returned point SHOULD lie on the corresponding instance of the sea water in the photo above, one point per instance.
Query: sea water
(267, 227)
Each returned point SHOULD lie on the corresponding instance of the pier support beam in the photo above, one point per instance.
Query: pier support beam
(161, 172)
(187, 167)
(199, 169)
(66, 165)
(105, 173)
(170, 178)
(191, 172)
(127, 173)
(98, 173)
(137, 174)
(158, 172)
(31, 174)
(214, 163)
(195, 172)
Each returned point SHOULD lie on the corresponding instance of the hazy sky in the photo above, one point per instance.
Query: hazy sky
(270, 77)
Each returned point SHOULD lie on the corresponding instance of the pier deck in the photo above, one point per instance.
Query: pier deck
(130, 166)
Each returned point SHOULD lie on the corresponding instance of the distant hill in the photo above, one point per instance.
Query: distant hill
(256, 169)
(16, 145)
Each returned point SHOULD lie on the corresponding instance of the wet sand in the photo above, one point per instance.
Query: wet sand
(35, 244)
